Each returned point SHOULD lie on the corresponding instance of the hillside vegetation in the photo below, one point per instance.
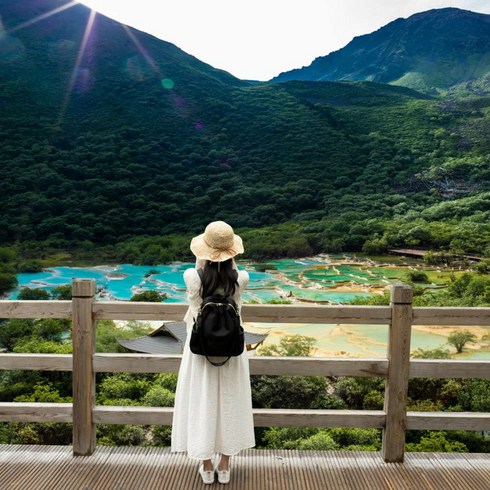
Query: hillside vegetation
(144, 141)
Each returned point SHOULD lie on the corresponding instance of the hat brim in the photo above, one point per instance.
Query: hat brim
(203, 251)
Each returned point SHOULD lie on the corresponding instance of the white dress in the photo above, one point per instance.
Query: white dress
(213, 405)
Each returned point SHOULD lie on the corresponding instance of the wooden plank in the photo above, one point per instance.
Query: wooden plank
(119, 310)
(317, 366)
(302, 366)
(136, 363)
(396, 390)
(311, 366)
(449, 368)
(83, 291)
(479, 421)
(154, 468)
(319, 418)
(133, 415)
(457, 316)
(36, 362)
(35, 412)
(316, 314)
(262, 417)
(35, 309)
(125, 310)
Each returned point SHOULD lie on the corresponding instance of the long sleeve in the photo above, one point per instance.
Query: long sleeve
(193, 285)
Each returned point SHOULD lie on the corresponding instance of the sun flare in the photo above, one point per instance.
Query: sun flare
(46, 15)
(78, 62)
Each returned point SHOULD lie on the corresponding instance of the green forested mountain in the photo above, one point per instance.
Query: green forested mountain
(113, 134)
(429, 50)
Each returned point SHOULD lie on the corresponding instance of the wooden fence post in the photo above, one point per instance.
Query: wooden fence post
(83, 331)
(396, 391)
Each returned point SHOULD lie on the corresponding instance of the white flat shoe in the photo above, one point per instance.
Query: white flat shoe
(223, 475)
(207, 476)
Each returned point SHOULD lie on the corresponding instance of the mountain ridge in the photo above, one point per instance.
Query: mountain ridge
(432, 50)
(143, 140)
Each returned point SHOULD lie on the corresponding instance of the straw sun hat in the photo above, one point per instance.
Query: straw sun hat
(218, 243)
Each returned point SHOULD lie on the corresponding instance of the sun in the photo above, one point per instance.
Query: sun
(77, 68)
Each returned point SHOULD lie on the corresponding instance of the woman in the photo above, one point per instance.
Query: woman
(213, 405)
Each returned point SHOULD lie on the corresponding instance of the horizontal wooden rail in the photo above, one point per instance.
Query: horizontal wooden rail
(348, 314)
(456, 316)
(124, 310)
(137, 363)
(35, 309)
(262, 417)
(448, 421)
(323, 366)
(316, 314)
(35, 412)
(374, 419)
(36, 362)
(447, 368)
(283, 366)
(304, 366)
(117, 310)
(62, 412)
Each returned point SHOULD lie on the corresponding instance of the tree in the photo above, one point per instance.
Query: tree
(290, 346)
(44, 433)
(286, 437)
(158, 396)
(6, 255)
(436, 442)
(289, 391)
(151, 296)
(30, 266)
(13, 330)
(437, 353)
(417, 276)
(460, 339)
(474, 395)
(108, 333)
(35, 294)
(8, 281)
(63, 292)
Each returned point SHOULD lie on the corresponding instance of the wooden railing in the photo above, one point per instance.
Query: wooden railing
(397, 367)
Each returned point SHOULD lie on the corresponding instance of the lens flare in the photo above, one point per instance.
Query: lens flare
(42, 16)
(168, 83)
(137, 68)
(77, 70)
(142, 51)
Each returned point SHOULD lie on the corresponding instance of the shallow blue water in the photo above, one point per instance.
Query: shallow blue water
(311, 280)
(275, 280)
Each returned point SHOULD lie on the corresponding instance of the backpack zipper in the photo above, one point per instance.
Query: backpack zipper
(219, 304)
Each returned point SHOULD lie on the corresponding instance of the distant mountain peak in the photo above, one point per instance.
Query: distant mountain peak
(430, 50)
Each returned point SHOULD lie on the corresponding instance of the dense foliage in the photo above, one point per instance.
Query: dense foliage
(124, 389)
(469, 289)
(123, 160)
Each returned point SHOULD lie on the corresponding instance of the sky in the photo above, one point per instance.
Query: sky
(258, 39)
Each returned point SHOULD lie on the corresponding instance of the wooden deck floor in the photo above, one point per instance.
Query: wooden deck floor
(135, 468)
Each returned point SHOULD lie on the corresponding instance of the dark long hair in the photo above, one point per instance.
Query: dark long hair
(214, 276)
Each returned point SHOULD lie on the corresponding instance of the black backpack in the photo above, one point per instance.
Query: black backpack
(217, 330)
